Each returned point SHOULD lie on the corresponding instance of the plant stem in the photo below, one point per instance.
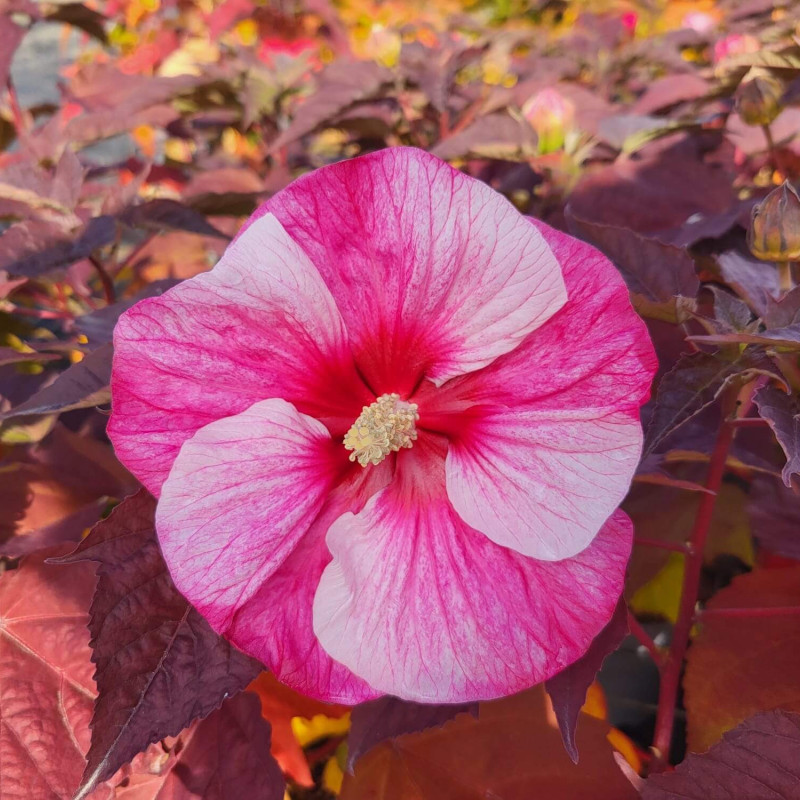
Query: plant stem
(785, 280)
(693, 565)
(773, 151)
(105, 279)
(644, 638)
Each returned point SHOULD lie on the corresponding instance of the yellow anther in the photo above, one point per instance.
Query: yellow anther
(383, 427)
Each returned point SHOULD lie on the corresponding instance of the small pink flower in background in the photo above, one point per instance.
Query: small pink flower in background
(735, 44)
(389, 432)
(551, 115)
(699, 21)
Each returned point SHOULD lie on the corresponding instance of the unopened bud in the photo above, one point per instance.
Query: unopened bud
(758, 97)
(551, 115)
(735, 44)
(774, 233)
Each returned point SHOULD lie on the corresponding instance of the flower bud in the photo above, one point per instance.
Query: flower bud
(551, 115)
(735, 44)
(774, 233)
(758, 97)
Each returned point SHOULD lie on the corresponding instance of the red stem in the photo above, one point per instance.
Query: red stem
(748, 422)
(693, 565)
(644, 638)
(105, 279)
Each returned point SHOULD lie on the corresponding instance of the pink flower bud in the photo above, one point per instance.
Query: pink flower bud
(551, 115)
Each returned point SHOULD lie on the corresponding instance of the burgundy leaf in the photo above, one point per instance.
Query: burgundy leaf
(34, 247)
(164, 213)
(730, 313)
(339, 86)
(782, 413)
(224, 756)
(69, 529)
(494, 136)
(46, 687)
(758, 760)
(668, 191)
(568, 689)
(689, 387)
(388, 717)
(671, 90)
(81, 385)
(159, 664)
(651, 268)
(774, 512)
(754, 281)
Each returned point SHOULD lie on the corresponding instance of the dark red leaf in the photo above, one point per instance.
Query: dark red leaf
(81, 385)
(34, 247)
(69, 529)
(759, 760)
(655, 270)
(782, 413)
(774, 512)
(225, 756)
(159, 664)
(754, 281)
(170, 214)
(689, 387)
(378, 720)
(494, 136)
(668, 191)
(339, 86)
(568, 689)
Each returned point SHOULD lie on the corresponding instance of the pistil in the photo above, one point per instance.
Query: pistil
(383, 427)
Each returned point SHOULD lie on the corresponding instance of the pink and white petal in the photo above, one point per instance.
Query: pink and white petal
(543, 482)
(261, 324)
(424, 607)
(435, 274)
(593, 357)
(275, 624)
(242, 493)
(545, 440)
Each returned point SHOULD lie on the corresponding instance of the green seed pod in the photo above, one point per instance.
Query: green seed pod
(758, 97)
(774, 233)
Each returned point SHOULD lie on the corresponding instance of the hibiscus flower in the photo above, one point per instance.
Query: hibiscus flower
(389, 432)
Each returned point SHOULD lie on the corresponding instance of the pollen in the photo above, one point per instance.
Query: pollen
(383, 427)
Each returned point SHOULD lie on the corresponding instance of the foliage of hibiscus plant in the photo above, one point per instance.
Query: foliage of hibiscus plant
(399, 402)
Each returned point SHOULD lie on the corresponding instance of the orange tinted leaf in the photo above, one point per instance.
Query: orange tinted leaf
(739, 664)
(279, 704)
(509, 752)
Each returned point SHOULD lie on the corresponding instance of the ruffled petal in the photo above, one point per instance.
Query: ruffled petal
(261, 324)
(435, 274)
(276, 625)
(424, 607)
(545, 440)
(242, 493)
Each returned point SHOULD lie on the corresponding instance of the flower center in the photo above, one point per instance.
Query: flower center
(383, 427)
